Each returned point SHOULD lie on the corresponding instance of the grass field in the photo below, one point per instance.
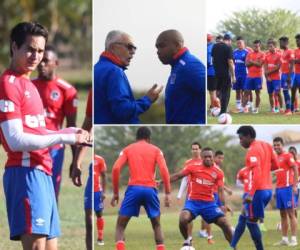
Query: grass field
(70, 202)
(263, 117)
(139, 234)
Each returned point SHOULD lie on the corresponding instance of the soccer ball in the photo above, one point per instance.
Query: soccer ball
(187, 248)
(225, 119)
(215, 111)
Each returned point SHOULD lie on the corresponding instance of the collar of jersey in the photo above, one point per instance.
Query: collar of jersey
(113, 58)
(179, 54)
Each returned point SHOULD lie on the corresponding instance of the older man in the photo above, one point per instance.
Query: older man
(114, 100)
(185, 90)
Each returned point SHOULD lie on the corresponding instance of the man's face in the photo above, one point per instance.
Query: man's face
(207, 158)
(196, 151)
(256, 47)
(278, 147)
(219, 160)
(283, 44)
(298, 42)
(271, 47)
(293, 152)
(240, 44)
(165, 50)
(29, 54)
(47, 66)
(245, 141)
(124, 49)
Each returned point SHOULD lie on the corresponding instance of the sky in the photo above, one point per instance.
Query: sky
(225, 8)
(144, 21)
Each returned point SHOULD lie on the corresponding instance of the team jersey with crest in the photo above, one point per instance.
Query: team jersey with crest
(286, 56)
(255, 71)
(19, 99)
(272, 60)
(297, 57)
(202, 181)
(244, 176)
(99, 167)
(239, 57)
(216, 186)
(285, 173)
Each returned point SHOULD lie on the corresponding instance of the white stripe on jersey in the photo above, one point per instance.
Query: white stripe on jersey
(64, 83)
(25, 159)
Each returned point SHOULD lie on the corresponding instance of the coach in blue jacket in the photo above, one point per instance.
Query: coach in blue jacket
(185, 90)
(114, 102)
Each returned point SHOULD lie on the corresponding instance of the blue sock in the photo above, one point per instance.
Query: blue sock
(255, 235)
(239, 230)
(287, 98)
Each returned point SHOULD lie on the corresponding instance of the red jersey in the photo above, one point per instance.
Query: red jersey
(216, 186)
(141, 158)
(287, 56)
(297, 57)
(99, 168)
(59, 99)
(285, 173)
(89, 109)
(19, 99)
(271, 61)
(255, 71)
(261, 159)
(202, 181)
(191, 162)
(244, 176)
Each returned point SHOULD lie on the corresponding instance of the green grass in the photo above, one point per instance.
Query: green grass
(70, 201)
(263, 117)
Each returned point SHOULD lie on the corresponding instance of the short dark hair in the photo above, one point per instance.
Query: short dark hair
(271, 41)
(196, 143)
(219, 152)
(284, 39)
(227, 37)
(278, 139)
(50, 47)
(257, 41)
(297, 36)
(143, 133)
(293, 148)
(239, 38)
(207, 149)
(219, 37)
(22, 30)
(247, 131)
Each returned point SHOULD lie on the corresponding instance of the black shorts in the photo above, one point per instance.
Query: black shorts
(223, 82)
(211, 83)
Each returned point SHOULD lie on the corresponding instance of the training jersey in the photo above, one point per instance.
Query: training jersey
(286, 57)
(285, 173)
(59, 99)
(244, 175)
(99, 168)
(191, 162)
(19, 99)
(255, 71)
(89, 106)
(271, 61)
(239, 57)
(297, 57)
(216, 187)
(210, 66)
(202, 181)
(260, 159)
(141, 158)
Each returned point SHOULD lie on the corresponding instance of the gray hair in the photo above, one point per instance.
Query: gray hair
(112, 37)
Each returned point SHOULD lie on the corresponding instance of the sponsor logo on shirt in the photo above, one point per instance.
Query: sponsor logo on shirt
(7, 106)
(35, 121)
(253, 159)
(27, 94)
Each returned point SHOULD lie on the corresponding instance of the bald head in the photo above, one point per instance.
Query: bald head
(168, 43)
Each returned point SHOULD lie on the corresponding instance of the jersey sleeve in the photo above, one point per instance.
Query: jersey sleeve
(220, 179)
(118, 165)
(253, 163)
(274, 161)
(186, 170)
(164, 172)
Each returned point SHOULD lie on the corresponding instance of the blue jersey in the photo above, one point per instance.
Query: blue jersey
(239, 57)
(210, 66)
(114, 102)
(185, 91)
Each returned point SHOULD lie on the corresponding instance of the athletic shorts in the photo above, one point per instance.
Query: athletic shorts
(296, 198)
(285, 198)
(240, 83)
(98, 202)
(217, 200)
(253, 83)
(223, 82)
(260, 200)
(57, 156)
(273, 86)
(296, 81)
(88, 191)
(208, 210)
(284, 84)
(30, 202)
(137, 196)
(211, 83)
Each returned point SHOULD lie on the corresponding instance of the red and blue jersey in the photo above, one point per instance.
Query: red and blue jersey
(239, 57)
(287, 56)
(297, 57)
(285, 173)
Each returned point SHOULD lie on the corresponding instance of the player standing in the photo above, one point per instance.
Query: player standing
(296, 82)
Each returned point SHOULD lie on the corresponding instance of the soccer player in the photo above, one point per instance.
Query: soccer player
(211, 75)
(30, 198)
(286, 187)
(254, 62)
(293, 151)
(60, 102)
(115, 103)
(200, 199)
(287, 71)
(260, 160)
(185, 90)
(272, 66)
(296, 82)
(141, 157)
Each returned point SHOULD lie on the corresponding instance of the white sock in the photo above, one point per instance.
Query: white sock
(294, 238)
(284, 238)
(238, 104)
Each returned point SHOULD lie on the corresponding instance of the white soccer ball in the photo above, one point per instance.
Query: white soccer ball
(187, 248)
(215, 111)
(225, 118)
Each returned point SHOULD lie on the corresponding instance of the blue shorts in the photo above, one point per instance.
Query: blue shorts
(253, 83)
(217, 200)
(57, 156)
(284, 84)
(240, 83)
(256, 208)
(296, 198)
(30, 203)
(284, 197)
(98, 202)
(137, 196)
(273, 86)
(296, 81)
(208, 210)
(88, 192)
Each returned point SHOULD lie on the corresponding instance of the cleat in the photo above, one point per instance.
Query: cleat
(100, 242)
(282, 243)
(202, 234)
(293, 244)
(210, 241)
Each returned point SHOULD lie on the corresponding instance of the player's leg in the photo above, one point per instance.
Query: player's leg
(277, 93)
(190, 229)
(158, 235)
(185, 218)
(212, 88)
(223, 223)
(33, 241)
(294, 224)
(51, 244)
(225, 93)
(89, 228)
(122, 222)
(98, 208)
(202, 231)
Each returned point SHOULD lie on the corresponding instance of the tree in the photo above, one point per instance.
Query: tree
(255, 24)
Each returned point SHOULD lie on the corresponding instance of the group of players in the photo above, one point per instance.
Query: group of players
(205, 188)
(249, 66)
